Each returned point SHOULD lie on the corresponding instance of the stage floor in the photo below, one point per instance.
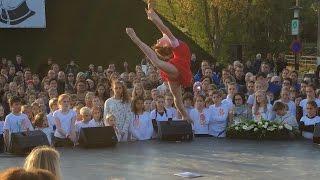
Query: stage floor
(212, 158)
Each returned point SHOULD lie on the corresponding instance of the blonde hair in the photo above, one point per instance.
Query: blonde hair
(44, 157)
(85, 110)
(62, 97)
(53, 101)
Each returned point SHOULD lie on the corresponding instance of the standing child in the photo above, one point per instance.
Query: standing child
(15, 121)
(160, 113)
(41, 123)
(169, 106)
(97, 120)
(261, 108)
(200, 117)
(64, 120)
(147, 104)
(141, 126)
(219, 113)
(1, 128)
(308, 121)
(86, 117)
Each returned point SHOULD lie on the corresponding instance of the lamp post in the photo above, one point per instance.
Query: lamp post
(295, 30)
(318, 36)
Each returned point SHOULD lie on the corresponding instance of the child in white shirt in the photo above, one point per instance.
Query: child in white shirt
(111, 121)
(200, 117)
(283, 116)
(65, 119)
(96, 117)
(41, 123)
(141, 126)
(15, 121)
(219, 116)
(308, 121)
(169, 106)
(85, 113)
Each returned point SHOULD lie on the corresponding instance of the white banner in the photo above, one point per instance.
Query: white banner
(22, 14)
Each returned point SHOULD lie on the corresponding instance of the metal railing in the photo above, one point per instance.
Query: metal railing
(308, 63)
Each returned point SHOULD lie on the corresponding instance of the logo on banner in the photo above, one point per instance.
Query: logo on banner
(22, 14)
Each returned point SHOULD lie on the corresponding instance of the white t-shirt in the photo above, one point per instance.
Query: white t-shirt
(173, 112)
(51, 120)
(94, 123)
(65, 121)
(307, 122)
(266, 114)
(200, 121)
(228, 102)
(304, 102)
(218, 120)
(17, 123)
(141, 127)
(82, 124)
(158, 117)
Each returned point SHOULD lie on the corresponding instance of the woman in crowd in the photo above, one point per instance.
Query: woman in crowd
(241, 111)
(261, 109)
(119, 106)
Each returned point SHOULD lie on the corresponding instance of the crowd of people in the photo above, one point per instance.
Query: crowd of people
(62, 101)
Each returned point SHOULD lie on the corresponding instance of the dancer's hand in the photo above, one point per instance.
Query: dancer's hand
(152, 15)
(131, 33)
(151, 4)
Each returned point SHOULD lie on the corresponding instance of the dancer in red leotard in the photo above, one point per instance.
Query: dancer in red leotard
(171, 56)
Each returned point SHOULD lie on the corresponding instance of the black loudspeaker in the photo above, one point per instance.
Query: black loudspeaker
(24, 142)
(236, 52)
(175, 131)
(316, 134)
(97, 137)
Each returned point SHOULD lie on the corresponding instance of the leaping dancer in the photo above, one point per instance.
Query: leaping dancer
(171, 56)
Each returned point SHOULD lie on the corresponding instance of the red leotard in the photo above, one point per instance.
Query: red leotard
(181, 60)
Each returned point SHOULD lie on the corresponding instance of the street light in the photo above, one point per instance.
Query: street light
(295, 30)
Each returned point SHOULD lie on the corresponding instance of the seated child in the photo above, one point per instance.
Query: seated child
(41, 123)
(96, 117)
(283, 116)
(15, 121)
(85, 113)
(308, 121)
(111, 121)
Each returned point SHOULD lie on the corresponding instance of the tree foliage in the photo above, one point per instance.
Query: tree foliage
(260, 25)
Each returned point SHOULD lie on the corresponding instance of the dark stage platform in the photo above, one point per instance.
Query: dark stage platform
(213, 158)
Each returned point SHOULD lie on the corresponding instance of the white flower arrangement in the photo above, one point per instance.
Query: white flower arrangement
(259, 129)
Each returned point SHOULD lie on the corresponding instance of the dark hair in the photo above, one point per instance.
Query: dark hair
(238, 94)
(14, 99)
(133, 104)
(261, 74)
(38, 120)
(288, 79)
(279, 106)
(312, 103)
(186, 96)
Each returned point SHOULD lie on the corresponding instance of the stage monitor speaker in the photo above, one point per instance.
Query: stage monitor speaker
(316, 133)
(97, 137)
(175, 131)
(236, 52)
(24, 142)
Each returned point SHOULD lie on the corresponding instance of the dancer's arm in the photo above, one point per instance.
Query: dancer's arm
(153, 16)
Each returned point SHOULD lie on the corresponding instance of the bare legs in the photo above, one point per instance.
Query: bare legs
(176, 91)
